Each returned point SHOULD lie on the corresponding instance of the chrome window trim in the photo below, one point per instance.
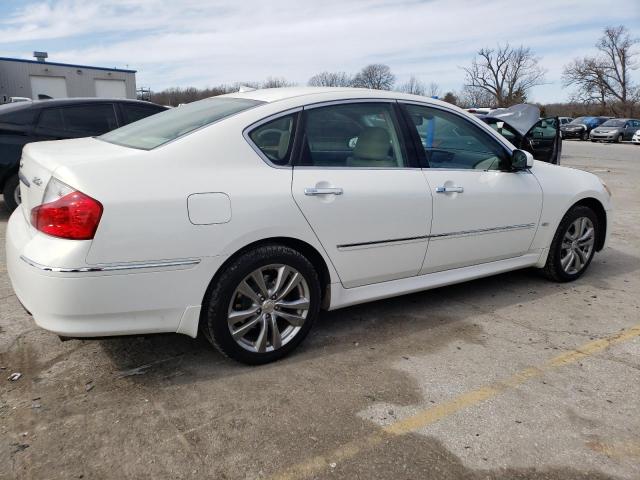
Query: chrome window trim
(462, 233)
(248, 129)
(114, 266)
(329, 103)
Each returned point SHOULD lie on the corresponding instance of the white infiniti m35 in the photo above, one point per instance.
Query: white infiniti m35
(241, 216)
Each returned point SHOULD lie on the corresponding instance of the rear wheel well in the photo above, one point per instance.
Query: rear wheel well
(310, 252)
(601, 213)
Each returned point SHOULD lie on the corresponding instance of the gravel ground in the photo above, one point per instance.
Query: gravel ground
(505, 378)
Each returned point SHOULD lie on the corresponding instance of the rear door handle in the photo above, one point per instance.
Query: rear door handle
(323, 191)
(449, 189)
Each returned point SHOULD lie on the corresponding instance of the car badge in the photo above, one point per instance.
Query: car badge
(37, 181)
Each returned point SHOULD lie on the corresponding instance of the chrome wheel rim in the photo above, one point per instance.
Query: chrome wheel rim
(268, 308)
(577, 245)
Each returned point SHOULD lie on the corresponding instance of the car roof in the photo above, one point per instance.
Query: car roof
(60, 102)
(270, 95)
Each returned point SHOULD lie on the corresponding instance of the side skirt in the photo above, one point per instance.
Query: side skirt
(345, 297)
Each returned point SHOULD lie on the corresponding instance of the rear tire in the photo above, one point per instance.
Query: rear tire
(573, 245)
(11, 193)
(254, 298)
(584, 136)
(619, 138)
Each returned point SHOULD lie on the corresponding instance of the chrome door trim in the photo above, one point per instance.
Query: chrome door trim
(480, 231)
(113, 266)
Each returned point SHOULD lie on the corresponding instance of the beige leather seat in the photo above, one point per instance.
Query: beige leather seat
(372, 149)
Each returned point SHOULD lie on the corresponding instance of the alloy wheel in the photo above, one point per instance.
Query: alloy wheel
(268, 308)
(577, 245)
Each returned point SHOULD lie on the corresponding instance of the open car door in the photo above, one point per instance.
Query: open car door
(522, 126)
(545, 140)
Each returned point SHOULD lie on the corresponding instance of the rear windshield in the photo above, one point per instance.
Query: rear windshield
(151, 132)
(16, 114)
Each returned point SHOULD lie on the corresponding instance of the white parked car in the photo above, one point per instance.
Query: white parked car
(241, 216)
(636, 138)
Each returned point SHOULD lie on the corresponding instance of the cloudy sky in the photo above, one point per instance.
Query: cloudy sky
(208, 42)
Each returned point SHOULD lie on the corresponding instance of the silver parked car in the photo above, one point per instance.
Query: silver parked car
(615, 130)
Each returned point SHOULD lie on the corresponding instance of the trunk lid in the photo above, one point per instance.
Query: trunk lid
(41, 160)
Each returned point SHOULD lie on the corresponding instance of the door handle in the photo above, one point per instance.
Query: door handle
(323, 191)
(449, 189)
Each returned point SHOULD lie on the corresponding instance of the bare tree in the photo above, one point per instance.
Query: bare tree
(451, 98)
(588, 76)
(475, 97)
(506, 73)
(434, 90)
(376, 76)
(605, 78)
(330, 79)
(277, 82)
(413, 86)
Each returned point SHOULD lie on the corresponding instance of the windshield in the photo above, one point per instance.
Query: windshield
(580, 120)
(156, 130)
(613, 123)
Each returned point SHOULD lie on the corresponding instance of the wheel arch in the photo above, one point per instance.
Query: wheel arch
(306, 249)
(597, 207)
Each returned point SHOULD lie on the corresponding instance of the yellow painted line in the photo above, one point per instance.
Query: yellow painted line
(433, 414)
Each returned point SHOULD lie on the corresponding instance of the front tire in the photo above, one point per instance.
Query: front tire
(584, 136)
(11, 193)
(573, 245)
(619, 138)
(263, 305)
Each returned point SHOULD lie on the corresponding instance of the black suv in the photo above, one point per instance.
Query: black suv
(581, 127)
(26, 122)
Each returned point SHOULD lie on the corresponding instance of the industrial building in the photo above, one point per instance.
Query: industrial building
(40, 79)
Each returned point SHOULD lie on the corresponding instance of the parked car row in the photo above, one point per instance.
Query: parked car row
(35, 121)
(616, 130)
(605, 129)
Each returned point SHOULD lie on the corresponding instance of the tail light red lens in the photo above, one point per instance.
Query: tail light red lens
(74, 216)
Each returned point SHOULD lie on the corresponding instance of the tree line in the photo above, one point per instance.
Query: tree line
(498, 76)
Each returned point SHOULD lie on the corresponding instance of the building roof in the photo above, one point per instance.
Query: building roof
(23, 60)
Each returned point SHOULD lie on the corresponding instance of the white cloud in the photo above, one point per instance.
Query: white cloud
(200, 43)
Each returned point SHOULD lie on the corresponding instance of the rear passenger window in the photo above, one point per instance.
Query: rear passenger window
(357, 135)
(51, 118)
(133, 113)
(275, 138)
(452, 142)
(90, 119)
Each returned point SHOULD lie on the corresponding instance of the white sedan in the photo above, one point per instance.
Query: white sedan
(241, 216)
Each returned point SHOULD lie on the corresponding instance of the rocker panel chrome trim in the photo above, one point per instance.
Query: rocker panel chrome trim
(113, 267)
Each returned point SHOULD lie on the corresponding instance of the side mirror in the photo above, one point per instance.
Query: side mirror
(521, 160)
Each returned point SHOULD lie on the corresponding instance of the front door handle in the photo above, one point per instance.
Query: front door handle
(449, 189)
(323, 191)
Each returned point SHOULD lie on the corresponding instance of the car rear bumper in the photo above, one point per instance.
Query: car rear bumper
(90, 300)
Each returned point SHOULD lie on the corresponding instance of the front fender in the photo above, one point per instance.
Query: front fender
(562, 188)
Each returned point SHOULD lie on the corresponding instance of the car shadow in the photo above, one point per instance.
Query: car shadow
(391, 327)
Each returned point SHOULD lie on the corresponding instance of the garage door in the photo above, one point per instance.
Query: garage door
(111, 89)
(48, 87)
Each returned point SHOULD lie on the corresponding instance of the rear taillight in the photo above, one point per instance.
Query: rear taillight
(66, 213)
